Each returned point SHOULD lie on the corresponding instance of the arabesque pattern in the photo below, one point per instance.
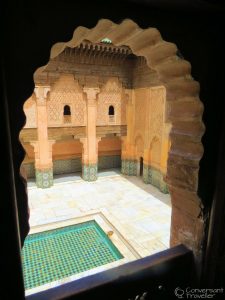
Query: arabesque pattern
(111, 94)
(44, 178)
(66, 91)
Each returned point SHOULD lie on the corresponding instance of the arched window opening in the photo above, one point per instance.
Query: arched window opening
(111, 110)
(66, 111)
(66, 114)
(111, 114)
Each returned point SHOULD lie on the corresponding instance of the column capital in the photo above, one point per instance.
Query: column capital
(91, 93)
(83, 140)
(41, 92)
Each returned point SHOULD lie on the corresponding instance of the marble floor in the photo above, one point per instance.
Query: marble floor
(140, 213)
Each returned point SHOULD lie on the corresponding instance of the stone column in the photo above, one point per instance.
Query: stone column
(43, 146)
(90, 143)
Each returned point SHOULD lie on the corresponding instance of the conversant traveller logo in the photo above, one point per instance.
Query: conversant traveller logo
(195, 293)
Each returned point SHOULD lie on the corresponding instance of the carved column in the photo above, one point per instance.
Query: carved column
(90, 143)
(43, 146)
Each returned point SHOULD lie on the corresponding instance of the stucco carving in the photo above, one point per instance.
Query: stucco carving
(111, 94)
(139, 143)
(155, 152)
(91, 94)
(157, 108)
(66, 91)
(148, 113)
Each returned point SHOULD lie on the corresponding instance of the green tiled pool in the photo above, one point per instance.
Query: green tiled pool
(59, 253)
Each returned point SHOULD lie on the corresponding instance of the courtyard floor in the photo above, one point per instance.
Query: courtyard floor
(139, 212)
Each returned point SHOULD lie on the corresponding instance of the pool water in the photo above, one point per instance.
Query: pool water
(55, 254)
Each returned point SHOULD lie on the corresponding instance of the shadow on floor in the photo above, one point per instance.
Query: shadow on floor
(149, 188)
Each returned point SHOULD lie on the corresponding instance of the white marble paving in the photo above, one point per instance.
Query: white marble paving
(140, 212)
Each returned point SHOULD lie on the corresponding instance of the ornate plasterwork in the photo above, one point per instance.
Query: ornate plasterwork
(41, 93)
(111, 94)
(139, 143)
(91, 94)
(66, 91)
(149, 110)
(92, 53)
(157, 108)
(155, 152)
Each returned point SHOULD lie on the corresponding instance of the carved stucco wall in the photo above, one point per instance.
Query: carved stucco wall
(139, 146)
(30, 112)
(156, 112)
(156, 127)
(148, 111)
(140, 105)
(66, 91)
(155, 153)
(113, 94)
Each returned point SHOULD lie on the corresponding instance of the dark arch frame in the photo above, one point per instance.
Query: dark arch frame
(61, 29)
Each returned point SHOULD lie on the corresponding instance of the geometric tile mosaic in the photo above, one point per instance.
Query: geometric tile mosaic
(89, 172)
(55, 254)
